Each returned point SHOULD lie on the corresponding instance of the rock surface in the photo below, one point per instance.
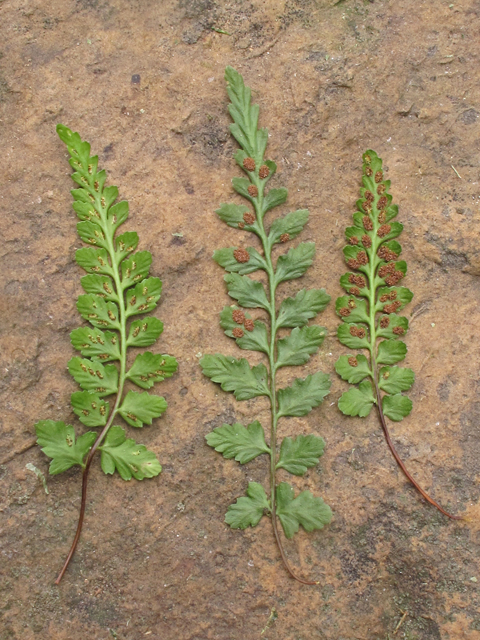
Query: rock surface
(143, 82)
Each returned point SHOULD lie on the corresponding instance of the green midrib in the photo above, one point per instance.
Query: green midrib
(258, 204)
(373, 264)
(109, 236)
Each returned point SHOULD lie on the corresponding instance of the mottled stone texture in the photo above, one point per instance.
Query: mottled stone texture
(143, 82)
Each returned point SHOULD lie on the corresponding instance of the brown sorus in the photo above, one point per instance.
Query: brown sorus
(264, 171)
(391, 308)
(249, 164)
(367, 206)
(378, 176)
(352, 361)
(344, 312)
(249, 324)
(353, 240)
(237, 332)
(398, 331)
(382, 203)
(394, 278)
(386, 269)
(386, 254)
(241, 255)
(253, 191)
(238, 316)
(362, 258)
(384, 230)
(367, 223)
(358, 280)
(358, 332)
(249, 217)
(384, 322)
(366, 241)
(285, 237)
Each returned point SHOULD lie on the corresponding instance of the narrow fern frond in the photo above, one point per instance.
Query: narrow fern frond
(117, 288)
(369, 311)
(299, 454)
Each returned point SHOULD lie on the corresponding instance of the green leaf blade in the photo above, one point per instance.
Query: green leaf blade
(297, 348)
(297, 455)
(130, 459)
(396, 407)
(149, 368)
(92, 233)
(400, 294)
(232, 214)
(94, 261)
(254, 339)
(126, 243)
(93, 376)
(397, 326)
(350, 334)
(236, 375)
(241, 186)
(135, 268)
(306, 510)
(353, 308)
(248, 293)
(295, 312)
(292, 225)
(303, 395)
(98, 312)
(226, 259)
(295, 263)
(140, 408)
(144, 297)
(86, 210)
(99, 285)
(144, 333)
(393, 380)
(353, 369)
(96, 344)
(248, 510)
(57, 440)
(244, 114)
(357, 401)
(117, 214)
(274, 198)
(348, 282)
(91, 410)
(236, 441)
(391, 351)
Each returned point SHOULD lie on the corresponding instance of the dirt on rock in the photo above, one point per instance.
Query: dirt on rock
(142, 81)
